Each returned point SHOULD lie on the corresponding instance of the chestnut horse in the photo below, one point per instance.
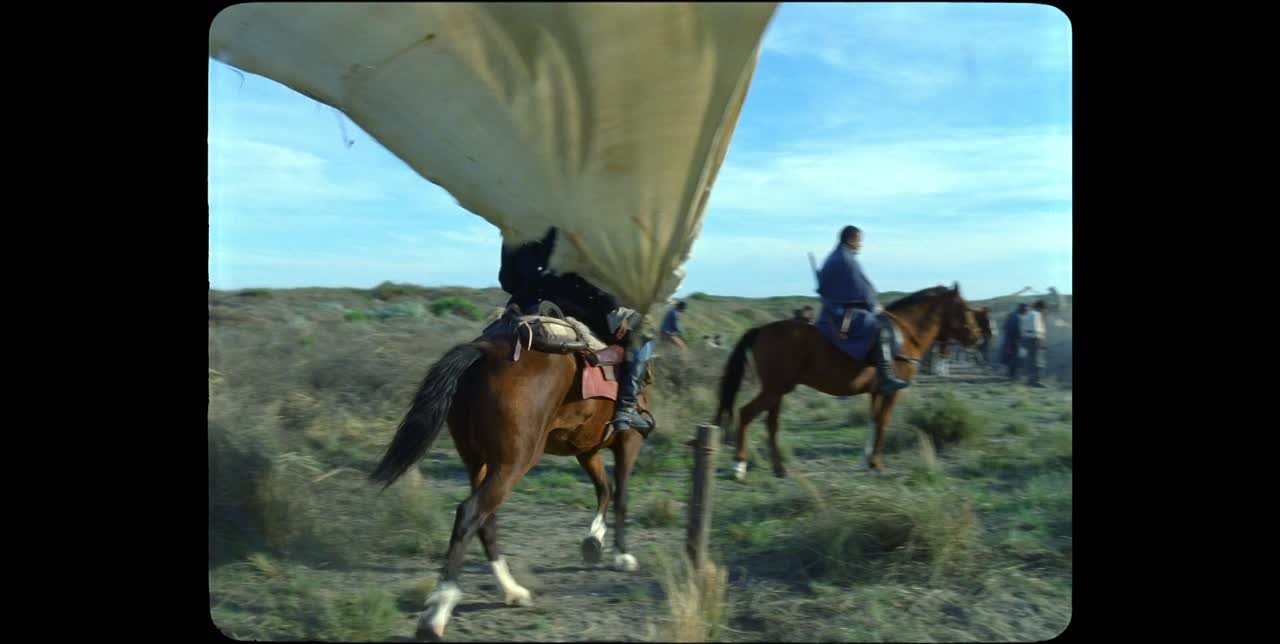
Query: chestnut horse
(503, 417)
(789, 353)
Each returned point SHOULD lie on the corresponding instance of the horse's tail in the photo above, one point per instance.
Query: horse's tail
(732, 378)
(421, 425)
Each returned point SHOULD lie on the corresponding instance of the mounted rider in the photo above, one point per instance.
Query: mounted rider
(526, 276)
(844, 289)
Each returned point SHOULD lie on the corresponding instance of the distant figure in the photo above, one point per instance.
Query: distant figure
(1011, 330)
(1033, 339)
(1059, 301)
(671, 330)
(983, 357)
(804, 314)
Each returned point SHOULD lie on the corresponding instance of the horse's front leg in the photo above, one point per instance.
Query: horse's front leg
(881, 410)
(593, 544)
(625, 451)
(775, 451)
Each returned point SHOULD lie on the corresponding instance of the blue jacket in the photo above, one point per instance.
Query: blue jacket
(841, 280)
(671, 323)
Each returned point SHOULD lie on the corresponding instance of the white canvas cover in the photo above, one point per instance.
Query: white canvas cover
(607, 120)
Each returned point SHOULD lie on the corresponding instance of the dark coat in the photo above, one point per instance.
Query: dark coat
(841, 280)
(526, 277)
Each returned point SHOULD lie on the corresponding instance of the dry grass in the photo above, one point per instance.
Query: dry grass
(695, 599)
(974, 543)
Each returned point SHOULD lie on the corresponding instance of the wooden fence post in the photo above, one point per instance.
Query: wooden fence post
(704, 469)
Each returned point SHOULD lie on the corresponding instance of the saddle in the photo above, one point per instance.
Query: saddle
(842, 327)
(549, 330)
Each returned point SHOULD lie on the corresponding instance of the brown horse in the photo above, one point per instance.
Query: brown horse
(503, 417)
(790, 353)
(982, 317)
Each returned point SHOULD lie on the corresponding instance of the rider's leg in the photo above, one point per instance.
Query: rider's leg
(883, 354)
(630, 381)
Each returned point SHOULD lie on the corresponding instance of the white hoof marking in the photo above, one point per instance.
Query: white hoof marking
(512, 593)
(597, 528)
(625, 562)
(443, 599)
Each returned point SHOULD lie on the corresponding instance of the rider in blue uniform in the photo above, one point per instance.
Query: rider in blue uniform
(841, 283)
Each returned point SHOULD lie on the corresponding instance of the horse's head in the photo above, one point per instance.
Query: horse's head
(960, 321)
(945, 307)
(983, 317)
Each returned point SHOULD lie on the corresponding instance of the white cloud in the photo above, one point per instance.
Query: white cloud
(968, 171)
(248, 173)
(486, 236)
(924, 45)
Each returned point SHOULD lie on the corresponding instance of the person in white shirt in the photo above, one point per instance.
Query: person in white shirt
(1033, 336)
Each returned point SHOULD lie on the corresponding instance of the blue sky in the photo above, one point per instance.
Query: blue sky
(942, 130)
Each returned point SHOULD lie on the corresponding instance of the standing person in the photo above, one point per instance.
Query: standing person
(1033, 338)
(1011, 330)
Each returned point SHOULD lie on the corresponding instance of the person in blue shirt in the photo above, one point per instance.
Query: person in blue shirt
(841, 283)
(671, 329)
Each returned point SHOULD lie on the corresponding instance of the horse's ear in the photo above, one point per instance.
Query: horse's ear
(955, 286)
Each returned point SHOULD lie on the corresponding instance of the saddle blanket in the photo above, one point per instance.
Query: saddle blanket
(862, 330)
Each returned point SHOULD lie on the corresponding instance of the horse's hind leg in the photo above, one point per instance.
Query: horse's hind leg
(513, 594)
(745, 416)
(470, 516)
(593, 544)
(775, 452)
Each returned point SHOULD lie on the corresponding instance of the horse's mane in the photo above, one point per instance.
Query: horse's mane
(917, 297)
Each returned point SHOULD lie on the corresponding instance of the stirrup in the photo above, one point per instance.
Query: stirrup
(889, 381)
(643, 414)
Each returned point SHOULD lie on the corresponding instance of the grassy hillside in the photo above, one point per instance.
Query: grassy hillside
(968, 539)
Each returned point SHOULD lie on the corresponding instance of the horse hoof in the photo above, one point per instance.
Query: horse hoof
(625, 563)
(521, 597)
(780, 472)
(740, 471)
(429, 633)
(438, 609)
(592, 550)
